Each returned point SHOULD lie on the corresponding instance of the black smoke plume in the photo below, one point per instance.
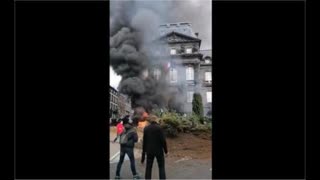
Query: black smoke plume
(133, 27)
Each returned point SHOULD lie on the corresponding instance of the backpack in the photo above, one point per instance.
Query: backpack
(124, 137)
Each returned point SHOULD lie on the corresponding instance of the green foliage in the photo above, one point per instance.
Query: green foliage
(197, 106)
(172, 119)
(170, 122)
(174, 123)
(185, 125)
(169, 130)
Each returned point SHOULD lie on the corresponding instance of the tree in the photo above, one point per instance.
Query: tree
(197, 106)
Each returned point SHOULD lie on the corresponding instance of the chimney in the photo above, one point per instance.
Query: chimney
(197, 34)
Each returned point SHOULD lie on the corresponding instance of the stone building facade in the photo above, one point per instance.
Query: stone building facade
(190, 69)
(113, 99)
(120, 104)
(124, 104)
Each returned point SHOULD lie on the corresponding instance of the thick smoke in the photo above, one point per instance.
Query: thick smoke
(134, 25)
(197, 12)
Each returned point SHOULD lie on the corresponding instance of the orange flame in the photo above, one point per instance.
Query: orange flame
(142, 122)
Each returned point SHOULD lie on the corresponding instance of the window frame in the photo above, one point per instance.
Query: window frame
(189, 73)
(173, 74)
(210, 97)
(190, 96)
(188, 48)
(173, 50)
(157, 73)
(205, 76)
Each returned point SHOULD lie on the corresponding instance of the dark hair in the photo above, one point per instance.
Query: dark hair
(125, 119)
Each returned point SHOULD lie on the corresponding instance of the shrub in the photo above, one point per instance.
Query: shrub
(194, 119)
(197, 106)
(173, 123)
(185, 125)
(170, 122)
(171, 118)
(169, 130)
(202, 128)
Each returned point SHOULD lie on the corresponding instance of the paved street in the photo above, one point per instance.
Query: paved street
(188, 169)
(183, 168)
(115, 151)
(115, 155)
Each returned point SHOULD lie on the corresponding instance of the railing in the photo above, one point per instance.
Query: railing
(191, 82)
(207, 83)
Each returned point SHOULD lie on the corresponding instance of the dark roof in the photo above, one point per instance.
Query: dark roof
(113, 89)
(207, 52)
(181, 27)
(180, 34)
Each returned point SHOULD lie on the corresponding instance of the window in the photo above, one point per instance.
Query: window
(209, 96)
(173, 51)
(189, 50)
(190, 73)
(190, 96)
(208, 77)
(173, 75)
(156, 74)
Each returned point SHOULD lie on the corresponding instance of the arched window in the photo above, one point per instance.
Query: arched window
(190, 73)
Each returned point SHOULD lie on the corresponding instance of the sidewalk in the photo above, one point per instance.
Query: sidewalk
(188, 169)
(115, 153)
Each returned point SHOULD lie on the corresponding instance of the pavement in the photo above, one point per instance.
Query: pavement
(183, 168)
(115, 153)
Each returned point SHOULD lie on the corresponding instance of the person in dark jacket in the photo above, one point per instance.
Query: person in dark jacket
(154, 146)
(128, 149)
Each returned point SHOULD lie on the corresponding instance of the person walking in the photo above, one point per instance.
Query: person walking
(127, 140)
(120, 129)
(154, 146)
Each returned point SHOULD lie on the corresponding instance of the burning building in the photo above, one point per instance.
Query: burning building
(161, 66)
(189, 68)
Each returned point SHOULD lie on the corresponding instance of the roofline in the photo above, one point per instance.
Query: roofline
(174, 32)
(175, 23)
(195, 39)
(113, 88)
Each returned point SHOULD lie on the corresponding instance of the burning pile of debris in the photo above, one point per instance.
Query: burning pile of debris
(140, 117)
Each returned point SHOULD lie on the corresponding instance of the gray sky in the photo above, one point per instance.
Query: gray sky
(197, 12)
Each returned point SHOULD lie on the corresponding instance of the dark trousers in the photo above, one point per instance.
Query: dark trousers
(160, 160)
(129, 152)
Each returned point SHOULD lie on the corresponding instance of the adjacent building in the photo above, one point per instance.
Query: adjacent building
(113, 99)
(120, 105)
(124, 105)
